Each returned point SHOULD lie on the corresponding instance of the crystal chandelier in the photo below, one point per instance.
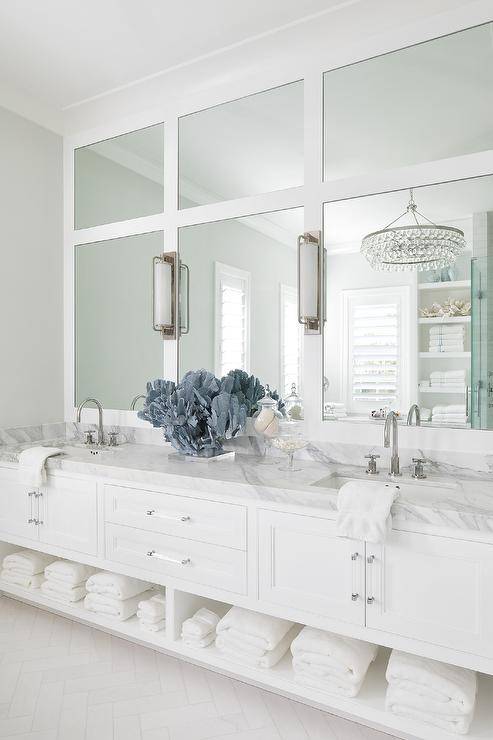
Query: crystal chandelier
(419, 246)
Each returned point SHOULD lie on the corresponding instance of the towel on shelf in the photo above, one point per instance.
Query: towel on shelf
(112, 606)
(154, 627)
(447, 329)
(449, 419)
(452, 686)
(270, 657)
(28, 562)
(147, 618)
(254, 628)
(152, 609)
(397, 702)
(335, 686)
(25, 580)
(32, 471)
(68, 595)
(203, 622)
(199, 642)
(364, 510)
(444, 349)
(116, 585)
(352, 657)
(453, 408)
(71, 574)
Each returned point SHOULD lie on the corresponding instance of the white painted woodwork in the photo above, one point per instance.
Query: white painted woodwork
(434, 589)
(304, 565)
(16, 506)
(165, 513)
(219, 567)
(68, 515)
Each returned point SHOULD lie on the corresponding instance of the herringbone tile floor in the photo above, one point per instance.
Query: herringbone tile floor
(60, 680)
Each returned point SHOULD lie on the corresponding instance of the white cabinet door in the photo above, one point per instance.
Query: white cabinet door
(68, 515)
(17, 507)
(304, 565)
(433, 589)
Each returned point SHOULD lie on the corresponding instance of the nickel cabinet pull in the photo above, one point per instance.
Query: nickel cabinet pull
(354, 593)
(31, 519)
(167, 559)
(370, 599)
(178, 518)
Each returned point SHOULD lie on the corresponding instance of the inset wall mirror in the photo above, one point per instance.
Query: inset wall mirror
(117, 350)
(243, 297)
(414, 332)
(245, 147)
(423, 103)
(120, 178)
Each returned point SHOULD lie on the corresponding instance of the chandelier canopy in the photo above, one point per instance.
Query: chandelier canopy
(419, 246)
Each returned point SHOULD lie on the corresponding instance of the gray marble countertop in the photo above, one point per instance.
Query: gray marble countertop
(439, 502)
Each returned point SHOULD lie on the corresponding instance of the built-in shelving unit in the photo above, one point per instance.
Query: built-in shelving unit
(451, 285)
(445, 355)
(448, 391)
(446, 320)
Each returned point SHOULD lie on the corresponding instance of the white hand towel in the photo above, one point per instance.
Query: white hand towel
(350, 655)
(149, 618)
(29, 562)
(110, 606)
(22, 579)
(446, 329)
(364, 510)
(199, 642)
(152, 609)
(335, 686)
(458, 724)
(154, 627)
(203, 622)
(238, 644)
(68, 596)
(454, 687)
(270, 658)
(32, 470)
(324, 667)
(255, 628)
(115, 584)
(72, 574)
(64, 588)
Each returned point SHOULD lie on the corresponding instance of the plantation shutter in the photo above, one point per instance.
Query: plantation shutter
(232, 319)
(290, 340)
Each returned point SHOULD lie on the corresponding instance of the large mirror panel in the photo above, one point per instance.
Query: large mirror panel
(243, 297)
(117, 351)
(120, 178)
(412, 336)
(245, 147)
(427, 102)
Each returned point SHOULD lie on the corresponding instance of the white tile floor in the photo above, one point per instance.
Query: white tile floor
(60, 680)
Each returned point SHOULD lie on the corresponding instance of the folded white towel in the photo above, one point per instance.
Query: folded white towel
(32, 470)
(115, 584)
(269, 659)
(22, 579)
(351, 656)
(147, 618)
(458, 724)
(29, 562)
(446, 329)
(64, 588)
(154, 627)
(199, 642)
(457, 408)
(338, 687)
(203, 622)
(455, 687)
(237, 644)
(459, 347)
(364, 510)
(448, 374)
(67, 596)
(111, 606)
(72, 574)
(449, 418)
(152, 609)
(257, 629)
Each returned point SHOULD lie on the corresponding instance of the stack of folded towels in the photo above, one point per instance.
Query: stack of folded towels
(254, 639)
(447, 338)
(25, 568)
(432, 692)
(331, 663)
(335, 410)
(452, 414)
(151, 613)
(200, 630)
(66, 581)
(453, 380)
(114, 595)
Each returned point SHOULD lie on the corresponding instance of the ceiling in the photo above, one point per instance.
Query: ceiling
(63, 52)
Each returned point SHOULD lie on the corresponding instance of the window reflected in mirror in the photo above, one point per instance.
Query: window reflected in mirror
(243, 298)
(120, 178)
(117, 350)
(426, 102)
(245, 147)
(396, 337)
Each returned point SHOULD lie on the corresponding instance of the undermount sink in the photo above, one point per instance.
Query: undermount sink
(406, 483)
(333, 481)
(95, 451)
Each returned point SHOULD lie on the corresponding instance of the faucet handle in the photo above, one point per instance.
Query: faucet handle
(418, 468)
(112, 439)
(372, 463)
(89, 437)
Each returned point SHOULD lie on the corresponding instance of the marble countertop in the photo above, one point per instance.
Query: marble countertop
(448, 503)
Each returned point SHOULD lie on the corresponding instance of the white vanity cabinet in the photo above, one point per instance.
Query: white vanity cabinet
(432, 589)
(305, 566)
(17, 507)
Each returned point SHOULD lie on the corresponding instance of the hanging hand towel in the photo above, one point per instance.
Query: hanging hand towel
(32, 471)
(364, 510)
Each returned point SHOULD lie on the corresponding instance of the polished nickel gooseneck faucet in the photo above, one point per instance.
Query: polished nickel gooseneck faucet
(391, 421)
(100, 416)
(414, 410)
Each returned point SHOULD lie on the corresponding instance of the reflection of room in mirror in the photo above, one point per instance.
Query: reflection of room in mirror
(393, 339)
(243, 303)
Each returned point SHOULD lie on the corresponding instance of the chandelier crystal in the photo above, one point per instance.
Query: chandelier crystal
(416, 247)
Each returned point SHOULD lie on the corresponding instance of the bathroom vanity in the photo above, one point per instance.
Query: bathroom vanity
(236, 532)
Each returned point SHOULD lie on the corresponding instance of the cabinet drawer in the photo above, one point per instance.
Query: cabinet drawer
(197, 562)
(182, 516)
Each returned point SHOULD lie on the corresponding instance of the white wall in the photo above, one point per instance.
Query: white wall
(31, 273)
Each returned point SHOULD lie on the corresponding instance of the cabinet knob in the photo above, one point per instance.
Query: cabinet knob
(370, 599)
(354, 597)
